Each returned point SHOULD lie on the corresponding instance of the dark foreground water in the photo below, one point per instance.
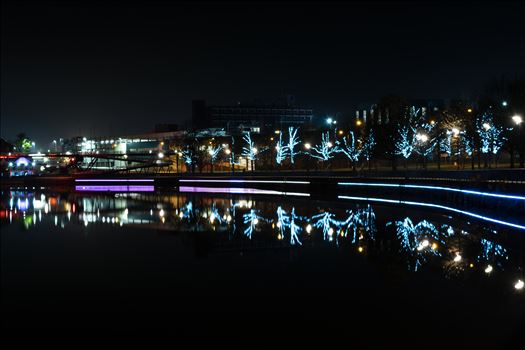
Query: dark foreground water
(257, 266)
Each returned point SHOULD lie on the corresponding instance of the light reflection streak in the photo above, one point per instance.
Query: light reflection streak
(238, 191)
(439, 188)
(383, 200)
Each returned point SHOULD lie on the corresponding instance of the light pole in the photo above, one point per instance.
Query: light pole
(518, 121)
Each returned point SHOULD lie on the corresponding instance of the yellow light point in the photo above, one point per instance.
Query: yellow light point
(469, 110)
(358, 122)
(432, 122)
(434, 246)
(181, 215)
(279, 237)
(360, 249)
(273, 225)
(471, 265)
(163, 220)
(271, 138)
(342, 233)
(341, 132)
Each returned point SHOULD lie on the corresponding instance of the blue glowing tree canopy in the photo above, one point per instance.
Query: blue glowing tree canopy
(214, 152)
(293, 141)
(405, 143)
(490, 133)
(281, 150)
(325, 150)
(368, 145)
(249, 151)
(350, 148)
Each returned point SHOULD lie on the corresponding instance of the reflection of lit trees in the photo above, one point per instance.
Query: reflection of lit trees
(288, 221)
(416, 240)
(252, 219)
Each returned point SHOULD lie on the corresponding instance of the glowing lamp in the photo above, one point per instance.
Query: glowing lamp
(517, 119)
(519, 285)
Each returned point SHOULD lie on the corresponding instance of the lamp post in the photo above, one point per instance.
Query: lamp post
(518, 120)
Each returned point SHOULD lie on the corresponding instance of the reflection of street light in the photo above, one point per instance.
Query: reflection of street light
(517, 119)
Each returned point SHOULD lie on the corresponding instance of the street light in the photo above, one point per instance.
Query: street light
(307, 145)
(517, 119)
(504, 103)
(329, 120)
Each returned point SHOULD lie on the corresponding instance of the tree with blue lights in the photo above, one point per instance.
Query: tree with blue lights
(213, 153)
(188, 156)
(490, 134)
(281, 150)
(293, 141)
(405, 142)
(350, 149)
(367, 148)
(324, 151)
(250, 151)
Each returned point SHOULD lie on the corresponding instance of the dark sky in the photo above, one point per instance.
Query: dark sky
(101, 67)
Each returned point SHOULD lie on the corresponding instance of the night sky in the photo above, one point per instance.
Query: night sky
(101, 67)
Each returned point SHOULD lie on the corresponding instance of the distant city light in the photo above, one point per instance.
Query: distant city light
(519, 285)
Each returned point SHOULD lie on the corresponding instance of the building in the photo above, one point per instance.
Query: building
(255, 117)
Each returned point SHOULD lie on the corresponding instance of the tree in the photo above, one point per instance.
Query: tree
(350, 149)
(293, 141)
(325, 150)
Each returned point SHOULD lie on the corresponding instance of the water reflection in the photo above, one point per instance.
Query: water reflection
(414, 241)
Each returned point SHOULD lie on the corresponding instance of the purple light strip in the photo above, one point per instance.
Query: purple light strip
(114, 180)
(249, 181)
(134, 188)
(238, 191)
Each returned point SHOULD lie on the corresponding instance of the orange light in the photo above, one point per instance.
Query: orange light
(358, 122)
(340, 132)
